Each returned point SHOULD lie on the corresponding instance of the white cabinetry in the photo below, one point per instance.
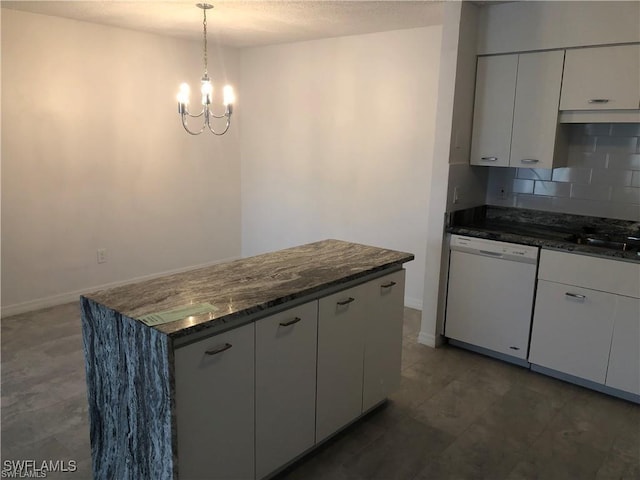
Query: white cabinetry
(516, 110)
(214, 381)
(252, 399)
(602, 78)
(587, 319)
(624, 362)
(341, 327)
(572, 330)
(285, 386)
(383, 338)
(535, 114)
(493, 111)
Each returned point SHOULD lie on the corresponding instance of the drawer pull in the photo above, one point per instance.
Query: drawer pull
(346, 302)
(529, 160)
(599, 100)
(489, 159)
(388, 285)
(290, 322)
(219, 349)
(575, 295)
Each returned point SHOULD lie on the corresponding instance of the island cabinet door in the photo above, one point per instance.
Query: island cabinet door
(383, 338)
(341, 326)
(285, 386)
(214, 381)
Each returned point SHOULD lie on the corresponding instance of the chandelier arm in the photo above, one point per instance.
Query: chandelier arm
(224, 115)
(222, 132)
(184, 124)
(195, 116)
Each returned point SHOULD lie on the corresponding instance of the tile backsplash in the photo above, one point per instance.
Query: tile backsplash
(601, 179)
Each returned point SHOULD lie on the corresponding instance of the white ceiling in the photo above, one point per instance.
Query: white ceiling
(245, 23)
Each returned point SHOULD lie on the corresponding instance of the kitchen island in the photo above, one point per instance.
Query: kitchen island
(235, 370)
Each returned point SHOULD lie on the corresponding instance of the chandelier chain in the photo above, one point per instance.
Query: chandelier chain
(204, 35)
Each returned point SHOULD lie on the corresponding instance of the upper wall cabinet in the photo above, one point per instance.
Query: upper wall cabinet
(493, 110)
(603, 78)
(515, 118)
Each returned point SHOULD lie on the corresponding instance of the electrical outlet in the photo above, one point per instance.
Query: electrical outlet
(102, 255)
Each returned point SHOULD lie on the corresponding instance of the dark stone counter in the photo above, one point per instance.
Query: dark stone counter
(550, 230)
(249, 285)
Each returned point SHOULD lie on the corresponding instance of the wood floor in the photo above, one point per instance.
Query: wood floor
(457, 415)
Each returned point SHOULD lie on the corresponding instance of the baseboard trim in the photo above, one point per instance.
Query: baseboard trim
(67, 297)
(413, 303)
(428, 339)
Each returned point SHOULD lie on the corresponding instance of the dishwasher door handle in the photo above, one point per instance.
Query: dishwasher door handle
(493, 254)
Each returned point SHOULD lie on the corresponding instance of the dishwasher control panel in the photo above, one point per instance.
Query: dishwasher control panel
(481, 246)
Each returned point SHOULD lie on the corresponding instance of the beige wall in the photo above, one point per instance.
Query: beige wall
(93, 156)
(338, 143)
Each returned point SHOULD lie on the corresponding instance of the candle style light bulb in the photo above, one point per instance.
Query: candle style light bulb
(229, 97)
(207, 91)
(183, 94)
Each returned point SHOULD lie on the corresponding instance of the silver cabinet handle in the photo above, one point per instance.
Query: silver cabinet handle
(599, 100)
(575, 295)
(489, 159)
(529, 160)
(346, 302)
(388, 285)
(290, 322)
(219, 349)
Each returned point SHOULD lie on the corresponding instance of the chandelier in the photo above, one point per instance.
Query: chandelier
(206, 88)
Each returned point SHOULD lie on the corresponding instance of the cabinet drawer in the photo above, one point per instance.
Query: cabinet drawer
(572, 330)
(607, 275)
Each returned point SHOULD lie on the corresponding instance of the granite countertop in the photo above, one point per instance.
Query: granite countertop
(545, 229)
(249, 285)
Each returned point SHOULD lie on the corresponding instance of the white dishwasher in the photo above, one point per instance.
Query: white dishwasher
(490, 296)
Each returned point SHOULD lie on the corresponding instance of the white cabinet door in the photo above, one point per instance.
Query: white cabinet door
(572, 329)
(535, 114)
(341, 325)
(285, 386)
(214, 381)
(493, 110)
(383, 338)
(603, 78)
(624, 361)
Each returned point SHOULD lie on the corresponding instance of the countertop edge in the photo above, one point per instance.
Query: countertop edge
(478, 232)
(177, 329)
